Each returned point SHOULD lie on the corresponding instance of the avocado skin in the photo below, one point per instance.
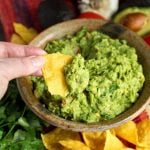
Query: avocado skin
(145, 10)
(133, 3)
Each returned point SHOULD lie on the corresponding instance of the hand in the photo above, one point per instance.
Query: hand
(17, 61)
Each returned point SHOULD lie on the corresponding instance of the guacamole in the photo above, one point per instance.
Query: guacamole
(104, 77)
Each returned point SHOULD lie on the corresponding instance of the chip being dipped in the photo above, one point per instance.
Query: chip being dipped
(53, 72)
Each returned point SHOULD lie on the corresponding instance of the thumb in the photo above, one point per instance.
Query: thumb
(17, 67)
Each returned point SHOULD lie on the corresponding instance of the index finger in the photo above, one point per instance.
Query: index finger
(15, 50)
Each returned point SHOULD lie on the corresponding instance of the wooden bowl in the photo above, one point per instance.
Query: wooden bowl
(113, 30)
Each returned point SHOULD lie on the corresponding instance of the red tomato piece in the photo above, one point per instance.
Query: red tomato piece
(147, 39)
(90, 15)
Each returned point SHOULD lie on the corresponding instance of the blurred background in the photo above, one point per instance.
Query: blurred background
(41, 14)
(22, 20)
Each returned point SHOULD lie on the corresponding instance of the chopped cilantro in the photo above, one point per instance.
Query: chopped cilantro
(19, 127)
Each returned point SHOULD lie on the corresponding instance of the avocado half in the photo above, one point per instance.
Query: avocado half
(146, 11)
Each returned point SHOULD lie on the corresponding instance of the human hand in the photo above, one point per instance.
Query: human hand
(17, 61)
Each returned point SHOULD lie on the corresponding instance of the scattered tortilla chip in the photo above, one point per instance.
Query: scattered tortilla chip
(74, 145)
(17, 39)
(104, 140)
(143, 128)
(51, 139)
(142, 148)
(94, 140)
(127, 148)
(53, 72)
(113, 131)
(112, 142)
(27, 34)
(128, 132)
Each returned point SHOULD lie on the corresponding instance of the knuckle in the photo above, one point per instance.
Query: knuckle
(26, 66)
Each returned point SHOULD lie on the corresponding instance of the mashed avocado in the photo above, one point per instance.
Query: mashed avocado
(104, 77)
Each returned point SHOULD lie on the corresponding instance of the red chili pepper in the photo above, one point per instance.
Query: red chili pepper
(147, 39)
(90, 15)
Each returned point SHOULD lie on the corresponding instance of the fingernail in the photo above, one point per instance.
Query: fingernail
(41, 51)
(37, 61)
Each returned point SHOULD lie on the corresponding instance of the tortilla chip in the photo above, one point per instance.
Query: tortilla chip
(94, 140)
(102, 140)
(53, 72)
(112, 142)
(128, 132)
(127, 148)
(142, 148)
(74, 145)
(143, 128)
(27, 34)
(17, 39)
(113, 131)
(51, 139)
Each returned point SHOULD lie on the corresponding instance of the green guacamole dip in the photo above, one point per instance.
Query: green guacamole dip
(104, 77)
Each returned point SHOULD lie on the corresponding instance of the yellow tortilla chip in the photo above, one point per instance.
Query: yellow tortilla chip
(94, 140)
(74, 145)
(102, 140)
(27, 34)
(51, 139)
(113, 131)
(112, 142)
(127, 148)
(143, 128)
(128, 132)
(17, 39)
(53, 72)
(142, 148)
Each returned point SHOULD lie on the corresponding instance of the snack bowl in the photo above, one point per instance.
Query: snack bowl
(114, 30)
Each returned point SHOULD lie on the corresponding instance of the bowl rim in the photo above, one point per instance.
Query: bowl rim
(55, 120)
